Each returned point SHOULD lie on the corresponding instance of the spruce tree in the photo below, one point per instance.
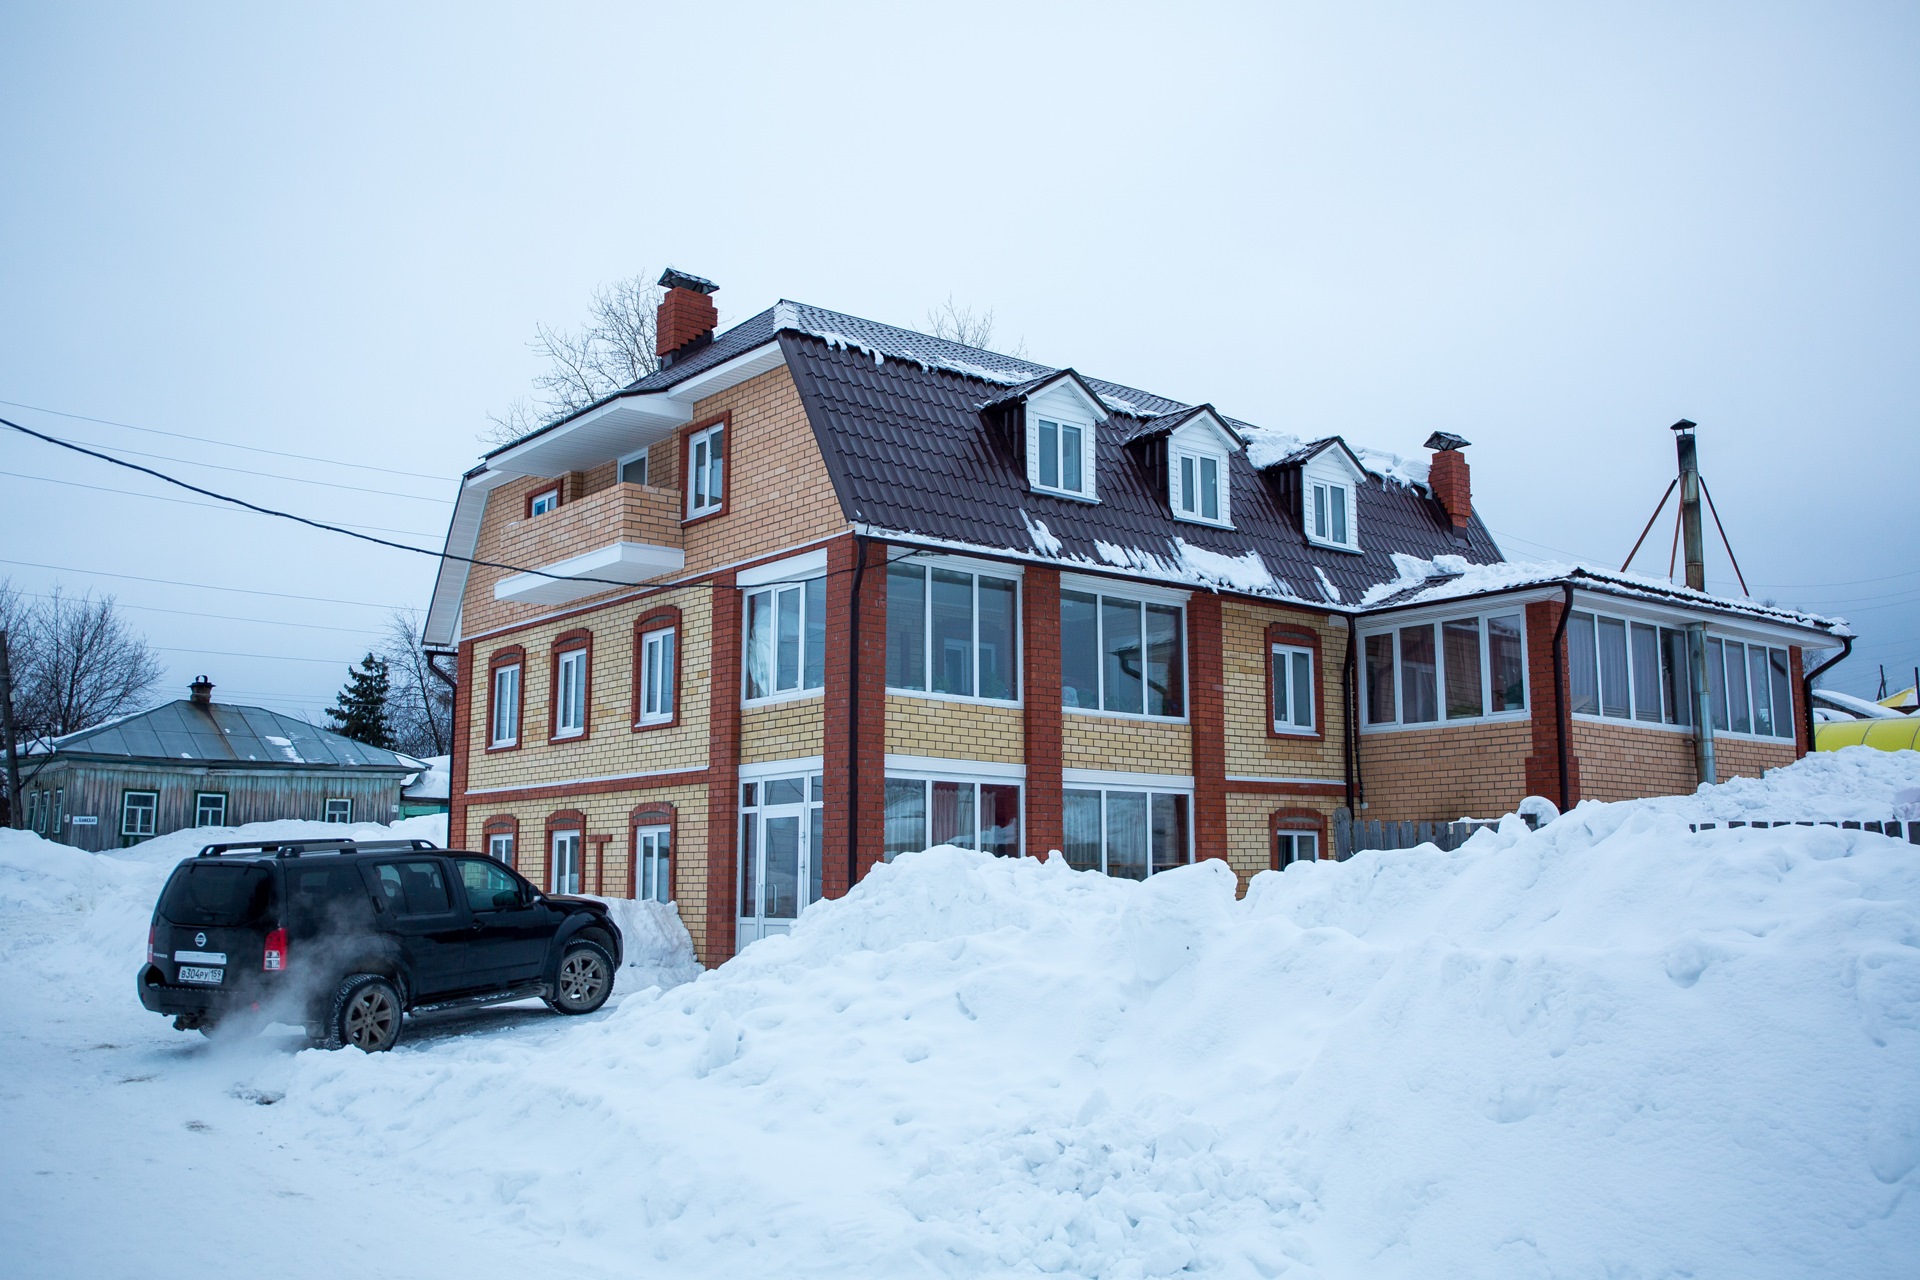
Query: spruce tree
(361, 713)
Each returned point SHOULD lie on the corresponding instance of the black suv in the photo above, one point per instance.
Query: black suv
(344, 936)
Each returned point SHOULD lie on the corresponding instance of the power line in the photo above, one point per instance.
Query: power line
(264, 657)
(223, 617)
(181, 502)
(225, 444)
(276, 475)
(206, 586)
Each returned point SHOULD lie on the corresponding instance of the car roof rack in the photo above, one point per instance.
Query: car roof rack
(336, 844)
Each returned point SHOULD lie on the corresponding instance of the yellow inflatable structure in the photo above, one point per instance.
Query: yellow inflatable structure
(1885, 735)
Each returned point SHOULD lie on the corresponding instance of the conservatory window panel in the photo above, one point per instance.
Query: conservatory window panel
(1380, 699)
(1419, 693)
(1779, 665)
(1615, 697)
(1506, 664)
(1646, 671)
(1583, 672)
(1737, 705)
(1461, 641)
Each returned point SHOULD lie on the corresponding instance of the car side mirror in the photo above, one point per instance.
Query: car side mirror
(507, 898)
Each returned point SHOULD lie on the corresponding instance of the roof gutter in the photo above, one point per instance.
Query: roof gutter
(1806, 685)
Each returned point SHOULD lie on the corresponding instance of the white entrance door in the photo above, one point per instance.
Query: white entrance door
(566, 862)
(776, 861)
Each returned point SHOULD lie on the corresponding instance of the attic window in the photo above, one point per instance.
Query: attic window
(1197, 481)
(1061, 460)
(1330, 514)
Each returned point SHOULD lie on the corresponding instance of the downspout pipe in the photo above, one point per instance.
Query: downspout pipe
(1806, 685)
(1704, 767)
(853, 715)
(1355, 791)
(1560, 716)
(452, 682)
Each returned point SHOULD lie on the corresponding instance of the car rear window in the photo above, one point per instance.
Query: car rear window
(218, 894)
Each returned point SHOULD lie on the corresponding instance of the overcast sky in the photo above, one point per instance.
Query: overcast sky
(331, 234)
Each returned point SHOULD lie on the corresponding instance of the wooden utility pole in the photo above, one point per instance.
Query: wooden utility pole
(14, 808)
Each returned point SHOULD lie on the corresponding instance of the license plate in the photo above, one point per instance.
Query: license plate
(195, 973)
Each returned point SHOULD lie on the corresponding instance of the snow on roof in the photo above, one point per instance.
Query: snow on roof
(434, 782)
(1454, 577)
(1856, 708)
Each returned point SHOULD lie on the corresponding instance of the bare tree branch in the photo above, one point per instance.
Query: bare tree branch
(614, 348)
(419, 703)
(82, 665)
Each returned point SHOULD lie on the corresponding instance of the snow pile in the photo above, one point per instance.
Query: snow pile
(1610, 1047)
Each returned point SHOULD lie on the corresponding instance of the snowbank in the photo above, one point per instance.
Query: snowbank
(1610, 1047)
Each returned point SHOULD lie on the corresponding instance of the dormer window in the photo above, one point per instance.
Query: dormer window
(1330, 504)
(1199, 491)
(1062, 460)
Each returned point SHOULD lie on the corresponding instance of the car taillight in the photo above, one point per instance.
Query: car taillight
(275, 957)
(153, 937)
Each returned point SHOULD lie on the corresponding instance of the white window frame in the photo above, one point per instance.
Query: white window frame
(342, 814)
(639, 456)
(506, 704)
(775, 592)
(1181, 458)
(200, 799)
(976, 570)
(706, 470)
(651, 881)
(1786, 729)
(500, 847)
(659, 656)
(538, 504)
(1320, 491)
(128, 812)
(1105, 789)
(58, 816)
(36, 811)
(1437, 621)
(1277, 653)
(575, 841)
(570, 693)
(1104, 589)
(900, 772)
(1297, 835)
(1057, 426)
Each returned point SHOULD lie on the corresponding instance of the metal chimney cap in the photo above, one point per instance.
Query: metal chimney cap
(1685, 424)
(672, 279)
(1445, 442)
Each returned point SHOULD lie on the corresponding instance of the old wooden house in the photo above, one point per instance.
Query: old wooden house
(197, 763)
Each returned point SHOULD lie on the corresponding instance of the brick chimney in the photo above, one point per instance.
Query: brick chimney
(1449, 478)
(202, 691)
(687, 316)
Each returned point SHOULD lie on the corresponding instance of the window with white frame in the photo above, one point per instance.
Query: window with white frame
(1330, 518)
(59, 813)
(1060, 460)
(786, 639)
(951, 630)
(653, 864)
(924, 812)
(337, 809)
(1126, 833)
(656, 676)
(706, 470)
(570, 694)
(633, 468)
(210, 809)
(1626, 669)
(506, 705)
(1467, 668)
(544, 501)
(1198, 483)
(566, 862)
(36, 811)
(139, 813)
(1122, 654)
(1293, 688)
(1290, 847)
(500, 847)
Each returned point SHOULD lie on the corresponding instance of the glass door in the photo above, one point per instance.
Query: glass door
(779, 834)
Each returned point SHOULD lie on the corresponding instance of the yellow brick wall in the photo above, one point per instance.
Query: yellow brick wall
(606, 815)
(612, 748)
(957, 730)
(1134, 746)
(1249, 829)
(782, 730)
(1251, 750)
(1441, 774)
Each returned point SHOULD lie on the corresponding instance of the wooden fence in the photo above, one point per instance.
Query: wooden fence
(1350, 836)
(1908, 831)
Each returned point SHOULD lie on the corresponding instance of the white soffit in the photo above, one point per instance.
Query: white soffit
(463, 535)
(622, 563)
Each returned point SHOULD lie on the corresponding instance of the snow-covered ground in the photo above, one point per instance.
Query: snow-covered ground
(1609, 1048)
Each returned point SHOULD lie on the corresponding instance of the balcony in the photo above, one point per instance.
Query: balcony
(621, 535)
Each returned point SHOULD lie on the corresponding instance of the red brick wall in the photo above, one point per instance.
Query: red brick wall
(1796, 675)
(1040, 675)
(1207, 691)
(1542, 773)
(1452, 484)
(852, 713)
(683, 316)
(723, 775)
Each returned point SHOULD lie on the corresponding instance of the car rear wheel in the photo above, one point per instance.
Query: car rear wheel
(365, 1014)
(585, 979)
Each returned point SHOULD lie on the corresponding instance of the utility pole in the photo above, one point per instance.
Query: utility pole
(14, 810)
(1691, 533)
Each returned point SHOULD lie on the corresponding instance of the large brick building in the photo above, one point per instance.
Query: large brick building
(821, 590)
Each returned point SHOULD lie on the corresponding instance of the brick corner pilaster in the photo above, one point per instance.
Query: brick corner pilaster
(1040, 675)
(1206, 684)
(723, 774)
(1543, 765)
